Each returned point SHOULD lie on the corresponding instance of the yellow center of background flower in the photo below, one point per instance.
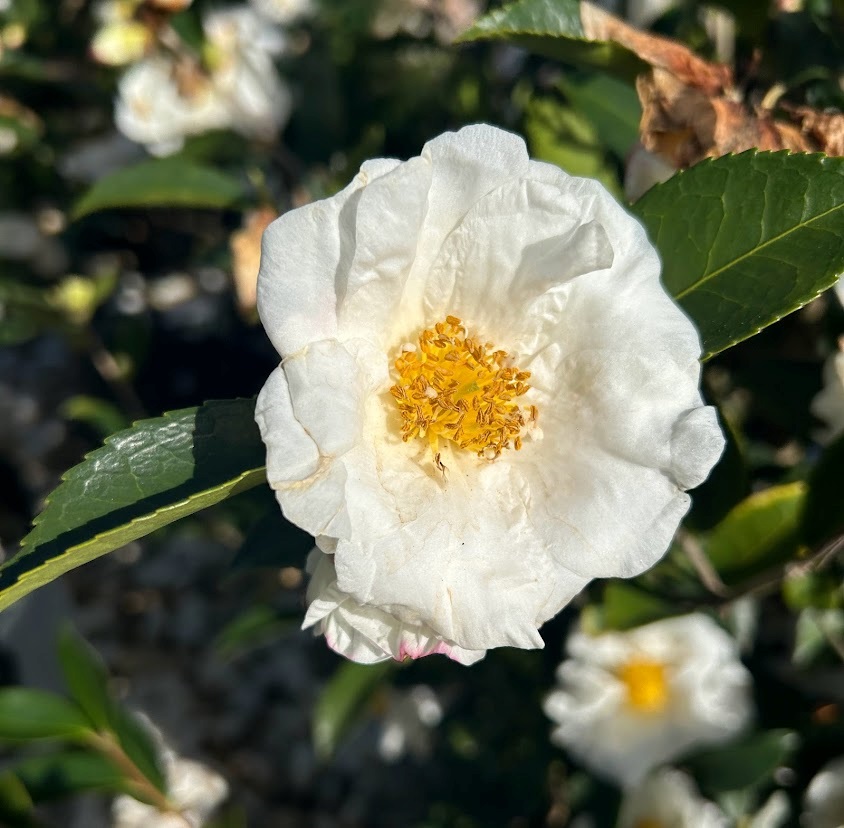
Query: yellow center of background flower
(646, 684)
(648, 823)
(455, 388)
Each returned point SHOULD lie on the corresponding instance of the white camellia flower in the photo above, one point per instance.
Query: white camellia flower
(162, 99)
(828, 404)
(669, 799)
(629, 701)
(486, 398)
(823, 805)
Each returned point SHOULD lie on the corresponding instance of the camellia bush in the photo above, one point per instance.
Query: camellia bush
(496, 348)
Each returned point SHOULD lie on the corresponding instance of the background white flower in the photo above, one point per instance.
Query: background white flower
(669, 799)
(630, 701)
(823, 805)
(828, 404)
(474, 548)
(407, 723)
(163, 99)
(283, 11)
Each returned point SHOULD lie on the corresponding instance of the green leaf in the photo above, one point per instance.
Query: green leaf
(143, 478)
(343, 699)
(86, 677)
(749, 761)
(611, 105)
(560, 135)
(813, 633)
(138, 744)
(103, 417)
(68, 772)
(625, 606)
(552, 28)
(26, 713)
(761, 532)
(823, 517)
(255, 626)
(746, 239)
(16, 806)
(169, 182)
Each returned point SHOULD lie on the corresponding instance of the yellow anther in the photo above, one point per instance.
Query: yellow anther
(454, 388)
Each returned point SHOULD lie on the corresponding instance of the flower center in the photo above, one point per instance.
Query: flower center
(648, 823)
(646, 684)
(456, 388)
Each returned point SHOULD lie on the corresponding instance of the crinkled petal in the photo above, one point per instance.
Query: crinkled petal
(368, 634)
(302, 254)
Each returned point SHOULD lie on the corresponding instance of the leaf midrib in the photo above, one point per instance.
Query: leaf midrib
(753, 251)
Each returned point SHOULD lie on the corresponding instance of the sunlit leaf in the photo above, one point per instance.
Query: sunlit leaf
(143, 478)
(746, 239)
(552, 28)
(760, 533)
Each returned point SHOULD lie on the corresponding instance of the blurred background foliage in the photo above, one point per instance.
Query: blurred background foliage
(127, 289)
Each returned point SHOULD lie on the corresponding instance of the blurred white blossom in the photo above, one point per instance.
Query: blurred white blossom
(669, 798)
(465, 480)
(445, 19)
(194, 790)
(630, 701)
(828, 404)
(823, 804)
(162, 99)
(406, 726)
(283, 11)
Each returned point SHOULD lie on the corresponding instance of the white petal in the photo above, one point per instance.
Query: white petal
(301, 254)
(368, 634)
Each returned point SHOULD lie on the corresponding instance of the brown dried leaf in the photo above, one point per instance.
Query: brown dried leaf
(659, 52)
(826, 128)
(245, 246)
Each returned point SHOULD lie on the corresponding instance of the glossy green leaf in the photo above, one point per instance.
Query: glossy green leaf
(68, 772)
(552, 28)
(26, 713)
(143, 478)
(169, 182)
(86, 677)
(342, 700)
(746, 239)
(749, 761)
(823, 517)
(760, 533)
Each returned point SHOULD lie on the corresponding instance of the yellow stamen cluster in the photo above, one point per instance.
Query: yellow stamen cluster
(646, 683)
(456, 388)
